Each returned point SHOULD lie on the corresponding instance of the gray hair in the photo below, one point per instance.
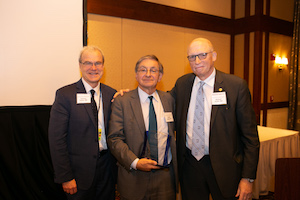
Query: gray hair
(90, 48)
(151, 57)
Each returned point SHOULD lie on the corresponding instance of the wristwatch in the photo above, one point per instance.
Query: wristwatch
(250, 180)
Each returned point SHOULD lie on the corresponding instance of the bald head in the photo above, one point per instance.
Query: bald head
(201, 56)
(204, 43)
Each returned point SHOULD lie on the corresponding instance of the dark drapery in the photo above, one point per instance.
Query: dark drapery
(25, 165)
(294, 109)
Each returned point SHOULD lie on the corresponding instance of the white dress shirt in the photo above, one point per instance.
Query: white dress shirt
(162, 125)
(98, 100)
(208, 90)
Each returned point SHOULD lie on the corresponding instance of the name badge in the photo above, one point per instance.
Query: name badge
(169, 117)
(219, 98)
(83, 98)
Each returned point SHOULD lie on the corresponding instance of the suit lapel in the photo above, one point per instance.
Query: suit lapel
(137, 110)
(218, 84)
(106, 104)
(167, 108)
(87, 106)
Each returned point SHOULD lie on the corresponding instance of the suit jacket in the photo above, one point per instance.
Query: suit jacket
(73, 135)
(126, 141)
(233, 139)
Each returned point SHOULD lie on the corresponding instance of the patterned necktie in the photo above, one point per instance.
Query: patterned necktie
(152, 131)
(94, 106)
(198, 126)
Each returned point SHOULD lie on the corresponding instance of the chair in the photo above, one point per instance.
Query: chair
(287, 179)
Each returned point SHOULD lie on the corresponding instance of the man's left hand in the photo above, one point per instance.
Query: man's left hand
(244, 191)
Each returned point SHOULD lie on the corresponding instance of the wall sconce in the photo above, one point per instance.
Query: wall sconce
(280, 62)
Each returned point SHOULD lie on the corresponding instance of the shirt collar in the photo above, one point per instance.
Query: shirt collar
(209, 81)
(144, 96)
(88, 87)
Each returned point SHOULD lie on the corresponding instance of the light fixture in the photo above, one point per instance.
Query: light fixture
(280, 62)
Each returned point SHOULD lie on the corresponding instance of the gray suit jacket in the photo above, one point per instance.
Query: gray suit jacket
(126, 141)
(233, 139)
(73, 137)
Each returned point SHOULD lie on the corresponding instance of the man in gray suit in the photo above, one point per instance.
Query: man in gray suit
(77, 135)
(130, 138)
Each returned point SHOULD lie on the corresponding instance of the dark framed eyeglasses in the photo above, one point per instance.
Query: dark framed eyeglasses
(201, 56)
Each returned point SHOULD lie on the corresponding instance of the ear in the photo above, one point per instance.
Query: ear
(214, 55)
(159, 77)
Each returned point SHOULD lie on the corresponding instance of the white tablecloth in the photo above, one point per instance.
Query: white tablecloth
(274, 143)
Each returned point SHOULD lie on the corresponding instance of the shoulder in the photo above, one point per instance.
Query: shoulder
(71, 88)
(186, 77)
(128, 96)
(107, 88)
(229, 78)
(165, 95)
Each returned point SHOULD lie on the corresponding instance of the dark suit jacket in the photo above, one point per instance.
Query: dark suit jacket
(73, 135)
(233, 139)
(126, 141)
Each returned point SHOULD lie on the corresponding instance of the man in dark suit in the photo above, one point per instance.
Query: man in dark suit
(78, 127)
(223, 160)
(140, 174)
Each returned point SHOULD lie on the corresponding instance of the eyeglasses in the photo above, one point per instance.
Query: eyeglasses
(201, 56)
(90, 64)
(144, 70)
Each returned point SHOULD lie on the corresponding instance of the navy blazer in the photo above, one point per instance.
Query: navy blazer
(73, 135)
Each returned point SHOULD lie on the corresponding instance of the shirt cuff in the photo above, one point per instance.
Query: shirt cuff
(133, 164)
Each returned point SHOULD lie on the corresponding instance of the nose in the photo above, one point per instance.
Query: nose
(148, 73)
(198, 60)
(94, 66)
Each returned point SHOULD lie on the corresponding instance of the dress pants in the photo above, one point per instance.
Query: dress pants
(198, 179)
(103, 186)
(160, 185)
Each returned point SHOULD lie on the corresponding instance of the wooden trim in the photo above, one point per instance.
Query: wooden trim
(266, 78)
(275, 105)
(247, 44)
(84, 22)
(259, 7)
(263, 23)
(232, 39)
(232, 44)
(152, 12)
(257, 74)
(266, 69)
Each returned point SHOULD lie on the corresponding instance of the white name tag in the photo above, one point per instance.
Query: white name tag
(169, 117)
(83, 98)
(219, 98)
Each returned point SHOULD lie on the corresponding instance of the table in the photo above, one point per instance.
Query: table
(274, 143)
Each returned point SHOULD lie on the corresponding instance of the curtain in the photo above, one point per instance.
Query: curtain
(294, 109)
(25, 164)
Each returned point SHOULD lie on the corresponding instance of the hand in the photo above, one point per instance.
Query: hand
(244, 191)
(121, 92)
(70, 187)
(145, 164)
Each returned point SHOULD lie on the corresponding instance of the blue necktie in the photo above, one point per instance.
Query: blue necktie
(198, 126)
(152, 131)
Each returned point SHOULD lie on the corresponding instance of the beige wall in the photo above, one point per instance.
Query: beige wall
(124, 41)
(278, 85)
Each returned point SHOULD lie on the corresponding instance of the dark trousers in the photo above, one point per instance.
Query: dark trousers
(198, 179)
(103, 186)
